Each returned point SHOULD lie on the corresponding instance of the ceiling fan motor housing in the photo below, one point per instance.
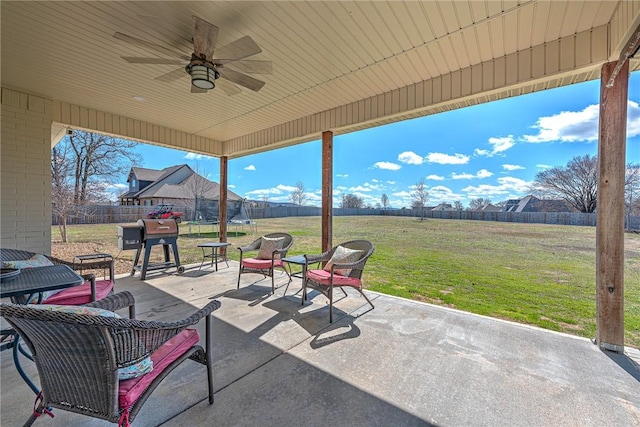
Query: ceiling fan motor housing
(203, 73)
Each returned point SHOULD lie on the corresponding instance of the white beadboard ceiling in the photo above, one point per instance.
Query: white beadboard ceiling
(337, 65)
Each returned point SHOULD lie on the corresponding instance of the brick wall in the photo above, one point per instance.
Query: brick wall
(25, 174)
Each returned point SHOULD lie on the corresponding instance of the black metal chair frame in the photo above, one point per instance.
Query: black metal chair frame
(356, 267)
(278, 254)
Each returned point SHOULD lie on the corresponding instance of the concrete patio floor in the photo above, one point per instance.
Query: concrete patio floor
(403, 363)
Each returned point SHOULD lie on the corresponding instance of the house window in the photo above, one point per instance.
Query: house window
(133, 184)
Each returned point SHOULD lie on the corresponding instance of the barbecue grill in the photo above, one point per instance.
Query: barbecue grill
(157, 232)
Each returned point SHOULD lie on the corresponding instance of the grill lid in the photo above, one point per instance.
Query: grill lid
(156, 228)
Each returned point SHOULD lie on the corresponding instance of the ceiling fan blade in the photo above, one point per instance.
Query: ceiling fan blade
(251, 66)
(239, 49)
(146, 45)
(228, 87)
(172, 75)
(205, 36)
(241, 79)
(197, 90)
(138, 60)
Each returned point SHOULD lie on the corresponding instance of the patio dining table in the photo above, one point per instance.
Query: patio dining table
(20, 287)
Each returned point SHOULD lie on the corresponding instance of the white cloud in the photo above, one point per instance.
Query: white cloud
(482, 173)
(231, 186)
(250, 168)
(575, 126)
(506, 185)
(342, 175)
(501, 144)
(359, 188)
(410, 158)
(387, 166)
(195, 156)
(542, 166)
(509, 167)
(277, 190)
(441, 194)
(436, 178)
(447, 159)
(401, 194)
(391, 182)
(462, 176)
(283, 187)
(498, 146)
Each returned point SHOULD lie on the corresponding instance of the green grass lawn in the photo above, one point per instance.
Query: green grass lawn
(537, 274)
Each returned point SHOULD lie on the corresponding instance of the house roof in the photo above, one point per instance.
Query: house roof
(161, 187)
(337, 65)
(143, 174)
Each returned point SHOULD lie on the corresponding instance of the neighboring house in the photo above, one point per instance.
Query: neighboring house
(177, 185)
(443, 207)
(489, 208)
(533, 204)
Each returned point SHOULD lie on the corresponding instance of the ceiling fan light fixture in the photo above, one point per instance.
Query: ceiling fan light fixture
(203, 77)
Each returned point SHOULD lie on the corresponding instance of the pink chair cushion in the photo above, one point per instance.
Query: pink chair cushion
(262, 264)
(324, 278)
(79, 295)
(131, 390)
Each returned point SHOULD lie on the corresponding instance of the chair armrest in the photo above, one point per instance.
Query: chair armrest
(116, 302)
(254, 246)
(148, 336)
(91, 278)
(312, 259)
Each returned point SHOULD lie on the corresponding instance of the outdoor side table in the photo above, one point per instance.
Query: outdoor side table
(215, 254)
(302, 274)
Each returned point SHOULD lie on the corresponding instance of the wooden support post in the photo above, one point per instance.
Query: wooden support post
(610, 227)
(327, 190)
(224, 174)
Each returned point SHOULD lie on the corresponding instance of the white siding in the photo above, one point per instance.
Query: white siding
(25, 214)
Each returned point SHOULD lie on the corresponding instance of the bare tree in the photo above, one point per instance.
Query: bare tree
(420, 195)
(577, 183)
(351, 201)
(62, 202)
(198, 186)
(97, 160)
(479, 203)
(384, 201)
(297, 196)
(457, 205)
(632, 191)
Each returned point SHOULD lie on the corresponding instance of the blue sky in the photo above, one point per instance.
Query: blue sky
(492, 150)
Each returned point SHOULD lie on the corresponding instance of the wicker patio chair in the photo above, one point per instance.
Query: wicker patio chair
(265, 262)
(342, 271)
(78, 356)
(89, 291)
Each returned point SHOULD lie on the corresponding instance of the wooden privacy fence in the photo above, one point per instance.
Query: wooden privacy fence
(124, 214)
(101, 214)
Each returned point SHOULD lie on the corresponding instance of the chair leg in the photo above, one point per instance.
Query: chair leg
(239, 274)
(331, 305)
(365, 297)
(273, 284)
(209, 356)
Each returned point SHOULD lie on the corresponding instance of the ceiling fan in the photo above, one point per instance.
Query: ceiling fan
(203, 66)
